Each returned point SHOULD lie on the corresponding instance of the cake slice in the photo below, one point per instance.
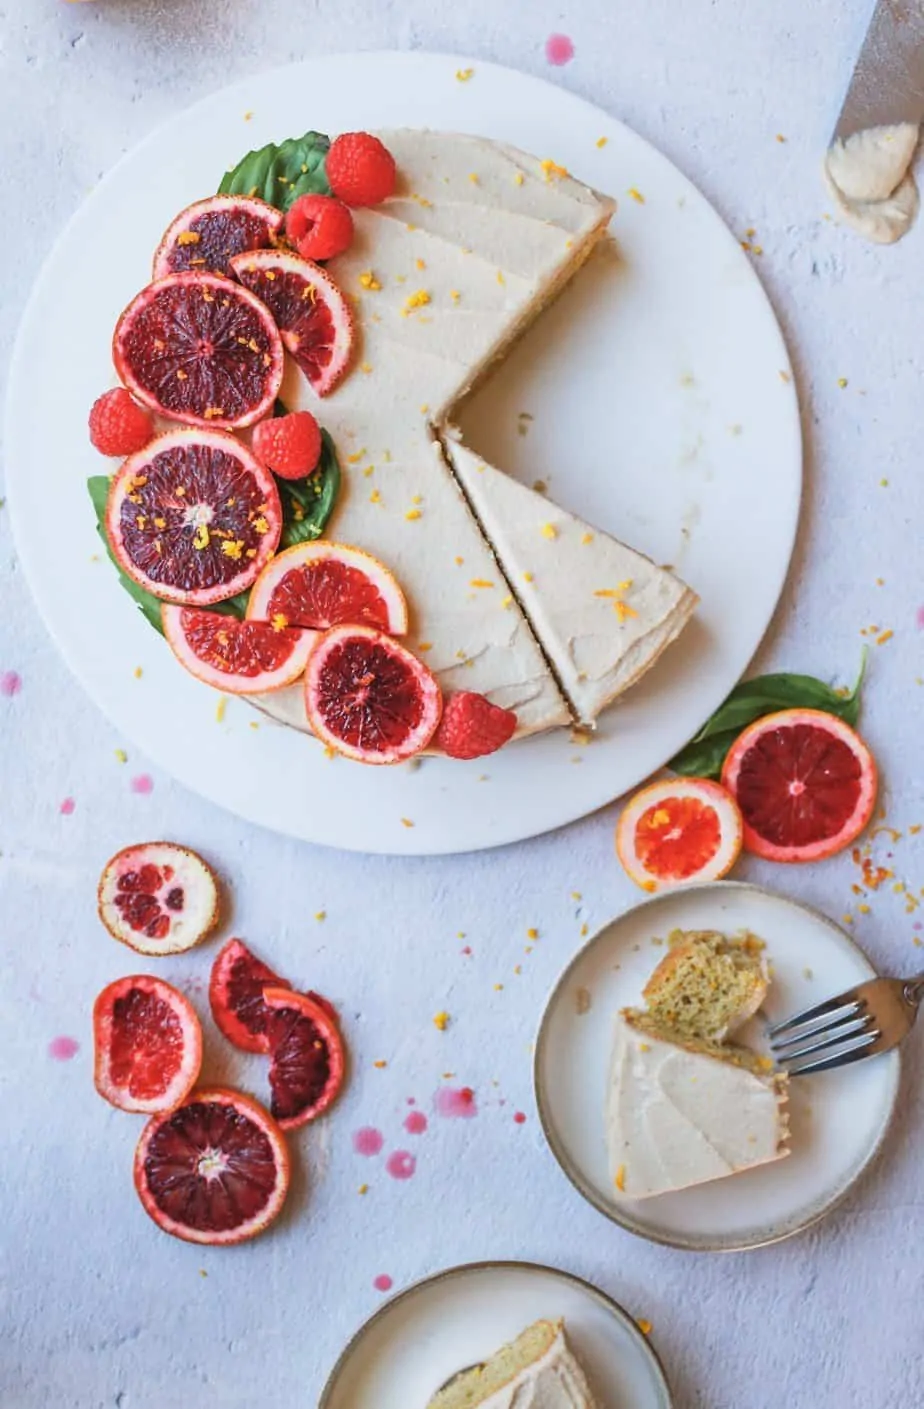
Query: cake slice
(538, 1368)
(685, 1107)
(602, 612)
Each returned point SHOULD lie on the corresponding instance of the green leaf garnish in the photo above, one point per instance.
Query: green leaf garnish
(307, 504)
(704, 755)
(281, 173)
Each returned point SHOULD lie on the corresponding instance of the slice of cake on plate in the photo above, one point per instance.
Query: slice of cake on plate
(685, 1107)
(539, 1368)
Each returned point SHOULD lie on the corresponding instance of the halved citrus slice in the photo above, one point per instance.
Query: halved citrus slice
(309, 1062)
(147, 1044)
(214, 1170)
(206, 235)
(242, 657)
(158, 897)
(368, 697)
(805, 782)
(319, 585)
(193, 517)
(311, 313)
(678, 830)
(236, 996)
(200, 349)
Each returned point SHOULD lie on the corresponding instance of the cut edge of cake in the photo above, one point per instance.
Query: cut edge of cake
(542, 1344)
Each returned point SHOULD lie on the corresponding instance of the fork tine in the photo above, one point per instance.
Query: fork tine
(821, 1010)
(823, 1040)
(831, 1032)
(854, 1053)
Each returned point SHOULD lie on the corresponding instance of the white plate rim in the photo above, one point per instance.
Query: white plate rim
(386, 837)
(610, 1304)
(620, 1216)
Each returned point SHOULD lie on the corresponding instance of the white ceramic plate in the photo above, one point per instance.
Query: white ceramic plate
(838, 1119)
(649, 421)
(423, 1337)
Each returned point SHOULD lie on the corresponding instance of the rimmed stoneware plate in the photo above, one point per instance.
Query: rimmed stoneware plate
(662, 432)
(838, 1119)
(427, 1334)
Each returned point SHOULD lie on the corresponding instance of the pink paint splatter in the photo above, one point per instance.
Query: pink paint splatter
(10, 683)
(559, 49)
(383, 1282)
(919, 618)
(416, 1123)
(61, 1049)
(401, 1165)
(67, 807)
(520, 1117)
(143, 783)
(467, 951)
(411, 1100)
(455, 1105)
(368, 1141)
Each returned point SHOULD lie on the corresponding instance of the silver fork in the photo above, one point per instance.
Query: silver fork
(866, 1020)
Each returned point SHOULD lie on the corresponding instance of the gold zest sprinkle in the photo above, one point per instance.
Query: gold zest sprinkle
(188, 237)
(506, 602)
(320, 915)
(212, 411)
(413, 514)
(454, 295)
(261, 525)
(464, 74)
(201, 537)
(480, 582)
(587, 538)
(220, 708)
(380, 1065)
(137, 672)
(883, 637)
(181, 375)
(473, 177)
(459, 562)
(644, 1325)
(121, 756)
(425, 407)
(406, 822)
(279, 621)
(369, 470)
(363, 1189)
(369, 281)
(842, 382)
(375, 497)
(527, 577)
(552, 171)
(441, 1021)
(549, 530)
(421, 263)
(427, 205)
(620, 1180)
(519, 179)
(623, 610)
(425, 646)
(636, 195)
(355, 458)
(500, 277)
(532, 933)
(365, 367)
(602, 141)
(233, 548)
(416, 300)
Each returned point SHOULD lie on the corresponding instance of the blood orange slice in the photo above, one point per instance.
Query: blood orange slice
(193, 517)
(206, 235)
(805, 782)
(236, 996)
(201, 350)
(242, 657)
(147, 1044)
(314, 318)
(308, 1057)
(214, 1170)
(682, 829)
(319, 585)
(158, 898)
(368, 697)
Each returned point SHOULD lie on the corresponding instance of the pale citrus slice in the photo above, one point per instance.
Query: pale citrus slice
(805, 783)
(319, 585)
(241, 657)
(368, 697)
(679, 830)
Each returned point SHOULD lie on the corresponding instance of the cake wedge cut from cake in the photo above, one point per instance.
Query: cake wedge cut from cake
(683, 1106)
(601, 611)
(538, 1370)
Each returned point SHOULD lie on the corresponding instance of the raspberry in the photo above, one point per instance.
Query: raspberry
(472, 726)
(319, 227)
(118, 425)
(361, 171)
(290, 446)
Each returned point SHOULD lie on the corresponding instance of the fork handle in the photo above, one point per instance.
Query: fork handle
(914, 989)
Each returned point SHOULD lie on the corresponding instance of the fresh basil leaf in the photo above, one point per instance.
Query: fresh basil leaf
(281, 173)
(753, 699)
(307, 504)
(703, 758)
(98, 487)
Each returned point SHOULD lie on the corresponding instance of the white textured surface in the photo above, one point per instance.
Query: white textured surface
(98, 1309)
